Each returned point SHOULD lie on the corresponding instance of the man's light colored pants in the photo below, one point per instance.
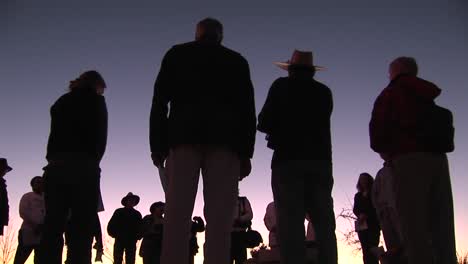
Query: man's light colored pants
(425, 207)
(220, 168)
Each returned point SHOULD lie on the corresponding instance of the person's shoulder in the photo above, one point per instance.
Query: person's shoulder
(234, 55)
(321, 85)
(63, 100)
(148, 218)
(119, 211)
(136, 212)
(28, 196)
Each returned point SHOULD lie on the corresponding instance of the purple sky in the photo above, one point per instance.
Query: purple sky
(45, 44)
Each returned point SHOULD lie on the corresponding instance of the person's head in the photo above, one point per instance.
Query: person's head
(4, 167)
(365, 182)
(402, 65)
(209, 30)
(130, 200)
(37, 184)
(90, 81)
(300, 70)
(157, 209)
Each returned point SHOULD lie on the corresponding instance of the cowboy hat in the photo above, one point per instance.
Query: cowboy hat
(130, 196)
(300, 58)
(4, 164)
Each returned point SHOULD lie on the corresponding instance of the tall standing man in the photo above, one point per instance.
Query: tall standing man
(296, 119)
(413, 135)
(210, 128)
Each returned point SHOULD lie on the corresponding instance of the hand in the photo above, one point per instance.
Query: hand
(245, 168)
(158, 159)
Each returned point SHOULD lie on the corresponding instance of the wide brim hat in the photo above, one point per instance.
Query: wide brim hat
(303, 59)
(4, 164)
(130, 196)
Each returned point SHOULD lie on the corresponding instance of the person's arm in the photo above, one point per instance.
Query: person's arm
(267, 115)
(248, 116)
(159, 112)
(101, 128)
(112, 226)
(248, 214)
(4, 207)
(379, 125)
(26, 212)
(270, 218)
(357, 210)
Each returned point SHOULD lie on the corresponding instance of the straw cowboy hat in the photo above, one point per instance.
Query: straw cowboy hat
(4, 164)
(130, 196)
(300, 58)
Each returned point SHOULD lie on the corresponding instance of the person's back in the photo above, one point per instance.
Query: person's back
(76, 145)
(202, 120)
(78, 128)
(204, 91)
(296, 120)
(412, 133)
(301, 127)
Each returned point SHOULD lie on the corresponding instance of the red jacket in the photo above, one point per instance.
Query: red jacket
(396, 113)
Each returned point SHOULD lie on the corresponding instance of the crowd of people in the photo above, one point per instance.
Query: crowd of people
(203, 123)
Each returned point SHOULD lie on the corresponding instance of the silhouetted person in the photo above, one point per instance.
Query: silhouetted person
(77, 143)
(198, 226)
(271, 224)
(32, 211)
(125, 227)
(152, 232)
(412, 133)
(296, 119)
(210, 128)
(367, 225)
(4, 207)
(383, 198)
(243, 216)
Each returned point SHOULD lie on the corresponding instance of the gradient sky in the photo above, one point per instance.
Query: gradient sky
(45, 44)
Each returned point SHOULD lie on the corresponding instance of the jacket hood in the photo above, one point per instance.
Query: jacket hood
(418, 86)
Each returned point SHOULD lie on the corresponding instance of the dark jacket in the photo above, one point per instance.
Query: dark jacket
(364, 205)
(211, 100)
(152, 233)
(4, 207)
(78, 128)
(125, 225)
(296, 119)
(396, 114)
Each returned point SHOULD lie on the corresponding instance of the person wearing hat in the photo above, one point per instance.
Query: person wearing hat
(4, 207)
(296, 120)
(75, 148)
(210, 128)
(152, 232)
(124, 226)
